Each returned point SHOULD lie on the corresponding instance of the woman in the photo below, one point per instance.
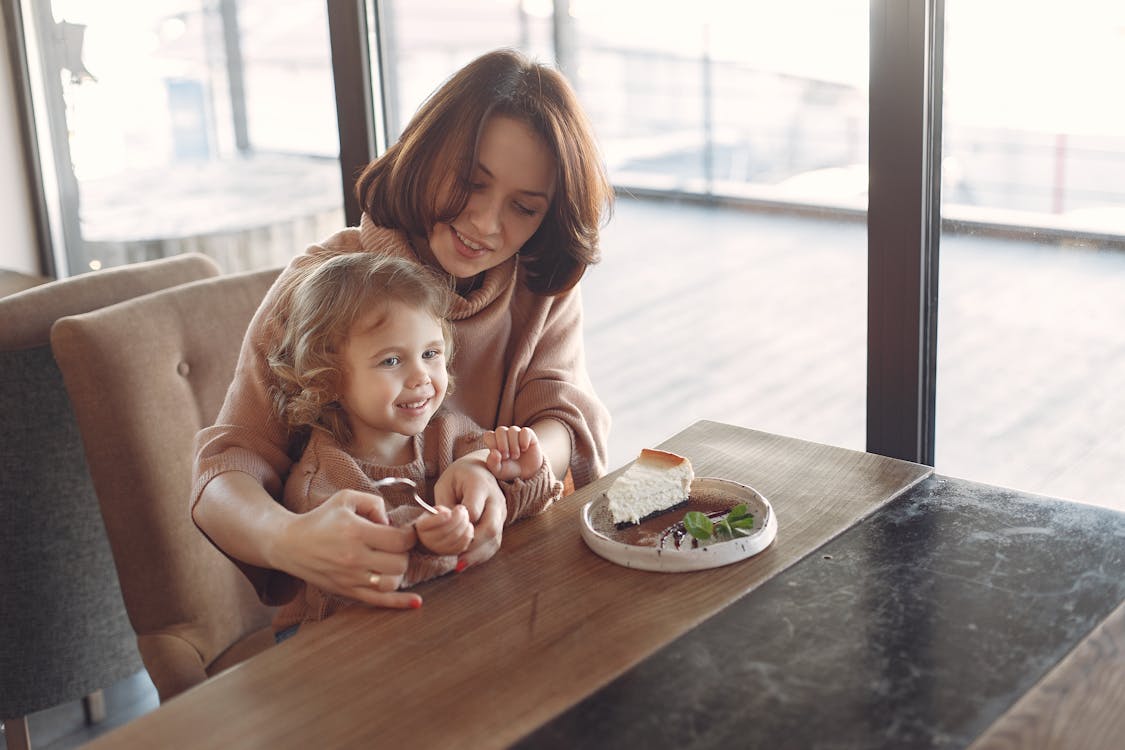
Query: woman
(497, 184)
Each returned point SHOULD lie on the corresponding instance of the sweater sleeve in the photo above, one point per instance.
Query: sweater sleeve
(529, 497)
(421, 565)
(556, 385)
(323, 469)
(451, 435)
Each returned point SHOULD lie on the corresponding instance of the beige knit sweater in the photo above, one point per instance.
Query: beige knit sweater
(325, 467)
(519, 359)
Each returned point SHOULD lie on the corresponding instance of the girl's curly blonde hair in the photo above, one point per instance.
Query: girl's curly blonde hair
(322, 301)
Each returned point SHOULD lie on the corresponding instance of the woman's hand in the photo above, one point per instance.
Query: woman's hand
(469, 482)
(345, 546)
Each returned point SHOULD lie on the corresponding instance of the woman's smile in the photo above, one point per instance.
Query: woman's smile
(470, 249)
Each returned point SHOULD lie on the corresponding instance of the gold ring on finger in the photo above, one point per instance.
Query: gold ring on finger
(373, 579)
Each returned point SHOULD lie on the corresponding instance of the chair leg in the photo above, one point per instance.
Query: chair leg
(94, 706)
(16, 734)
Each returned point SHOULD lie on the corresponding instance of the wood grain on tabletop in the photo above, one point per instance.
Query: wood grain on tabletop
(1077, 704)
(498, 650)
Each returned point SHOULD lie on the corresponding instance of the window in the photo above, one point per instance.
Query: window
(734, 272)
(177, 126)
(423, 42)
(709, 302)
(734, 283)
(1031, 352)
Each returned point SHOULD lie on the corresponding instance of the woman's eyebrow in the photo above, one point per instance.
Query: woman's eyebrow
(534, 193)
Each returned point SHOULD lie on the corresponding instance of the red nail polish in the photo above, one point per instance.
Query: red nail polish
(416, 604)
(461, 565)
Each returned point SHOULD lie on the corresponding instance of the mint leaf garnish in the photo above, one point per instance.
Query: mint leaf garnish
(738, 522)
(698, 525)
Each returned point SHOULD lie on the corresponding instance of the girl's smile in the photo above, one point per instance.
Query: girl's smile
(415, 408)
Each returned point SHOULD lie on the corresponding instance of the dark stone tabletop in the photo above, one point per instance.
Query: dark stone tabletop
(918, 627)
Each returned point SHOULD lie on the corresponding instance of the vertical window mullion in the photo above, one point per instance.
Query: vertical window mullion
(903, 226)
(33, 42)
(355, 114)
(32, 159)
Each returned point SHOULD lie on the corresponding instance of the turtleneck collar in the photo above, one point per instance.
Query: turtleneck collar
(497, 279)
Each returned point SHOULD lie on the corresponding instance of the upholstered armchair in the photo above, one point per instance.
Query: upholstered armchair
(144, 377)
(64, 634)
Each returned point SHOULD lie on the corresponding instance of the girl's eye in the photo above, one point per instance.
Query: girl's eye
(431, 354)
(525, 210)
(389, 362)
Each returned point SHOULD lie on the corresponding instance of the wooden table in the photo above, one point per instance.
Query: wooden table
(548, 645)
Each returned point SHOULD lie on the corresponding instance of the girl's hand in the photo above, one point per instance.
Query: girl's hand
(513, 452)
(345, 546)
(470, 483)
(448, 533)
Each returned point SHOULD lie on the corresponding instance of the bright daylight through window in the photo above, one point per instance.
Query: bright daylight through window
(734, 277)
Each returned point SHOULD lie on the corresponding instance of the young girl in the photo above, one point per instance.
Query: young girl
(361, 368)
(497, 185)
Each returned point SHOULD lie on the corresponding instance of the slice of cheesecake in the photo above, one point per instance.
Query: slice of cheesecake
(656, 481)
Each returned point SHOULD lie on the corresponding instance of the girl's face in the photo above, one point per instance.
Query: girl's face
(395, 377)
(513, 183)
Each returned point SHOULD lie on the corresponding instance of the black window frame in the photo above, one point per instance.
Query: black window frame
(904, 226)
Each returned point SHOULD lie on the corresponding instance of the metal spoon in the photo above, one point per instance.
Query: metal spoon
(409, 483)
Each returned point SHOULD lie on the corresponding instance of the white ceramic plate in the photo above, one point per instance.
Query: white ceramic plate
(651, 544)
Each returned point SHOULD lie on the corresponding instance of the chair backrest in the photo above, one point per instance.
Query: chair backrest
(144, 377)
(12, 281)
(63, 628)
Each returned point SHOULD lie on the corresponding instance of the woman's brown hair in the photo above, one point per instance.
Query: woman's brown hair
(324, 300)
(401, 188)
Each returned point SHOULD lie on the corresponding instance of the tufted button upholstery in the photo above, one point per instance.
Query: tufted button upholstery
(127, 370)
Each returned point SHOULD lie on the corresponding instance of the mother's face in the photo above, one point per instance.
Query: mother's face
(513, 184)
